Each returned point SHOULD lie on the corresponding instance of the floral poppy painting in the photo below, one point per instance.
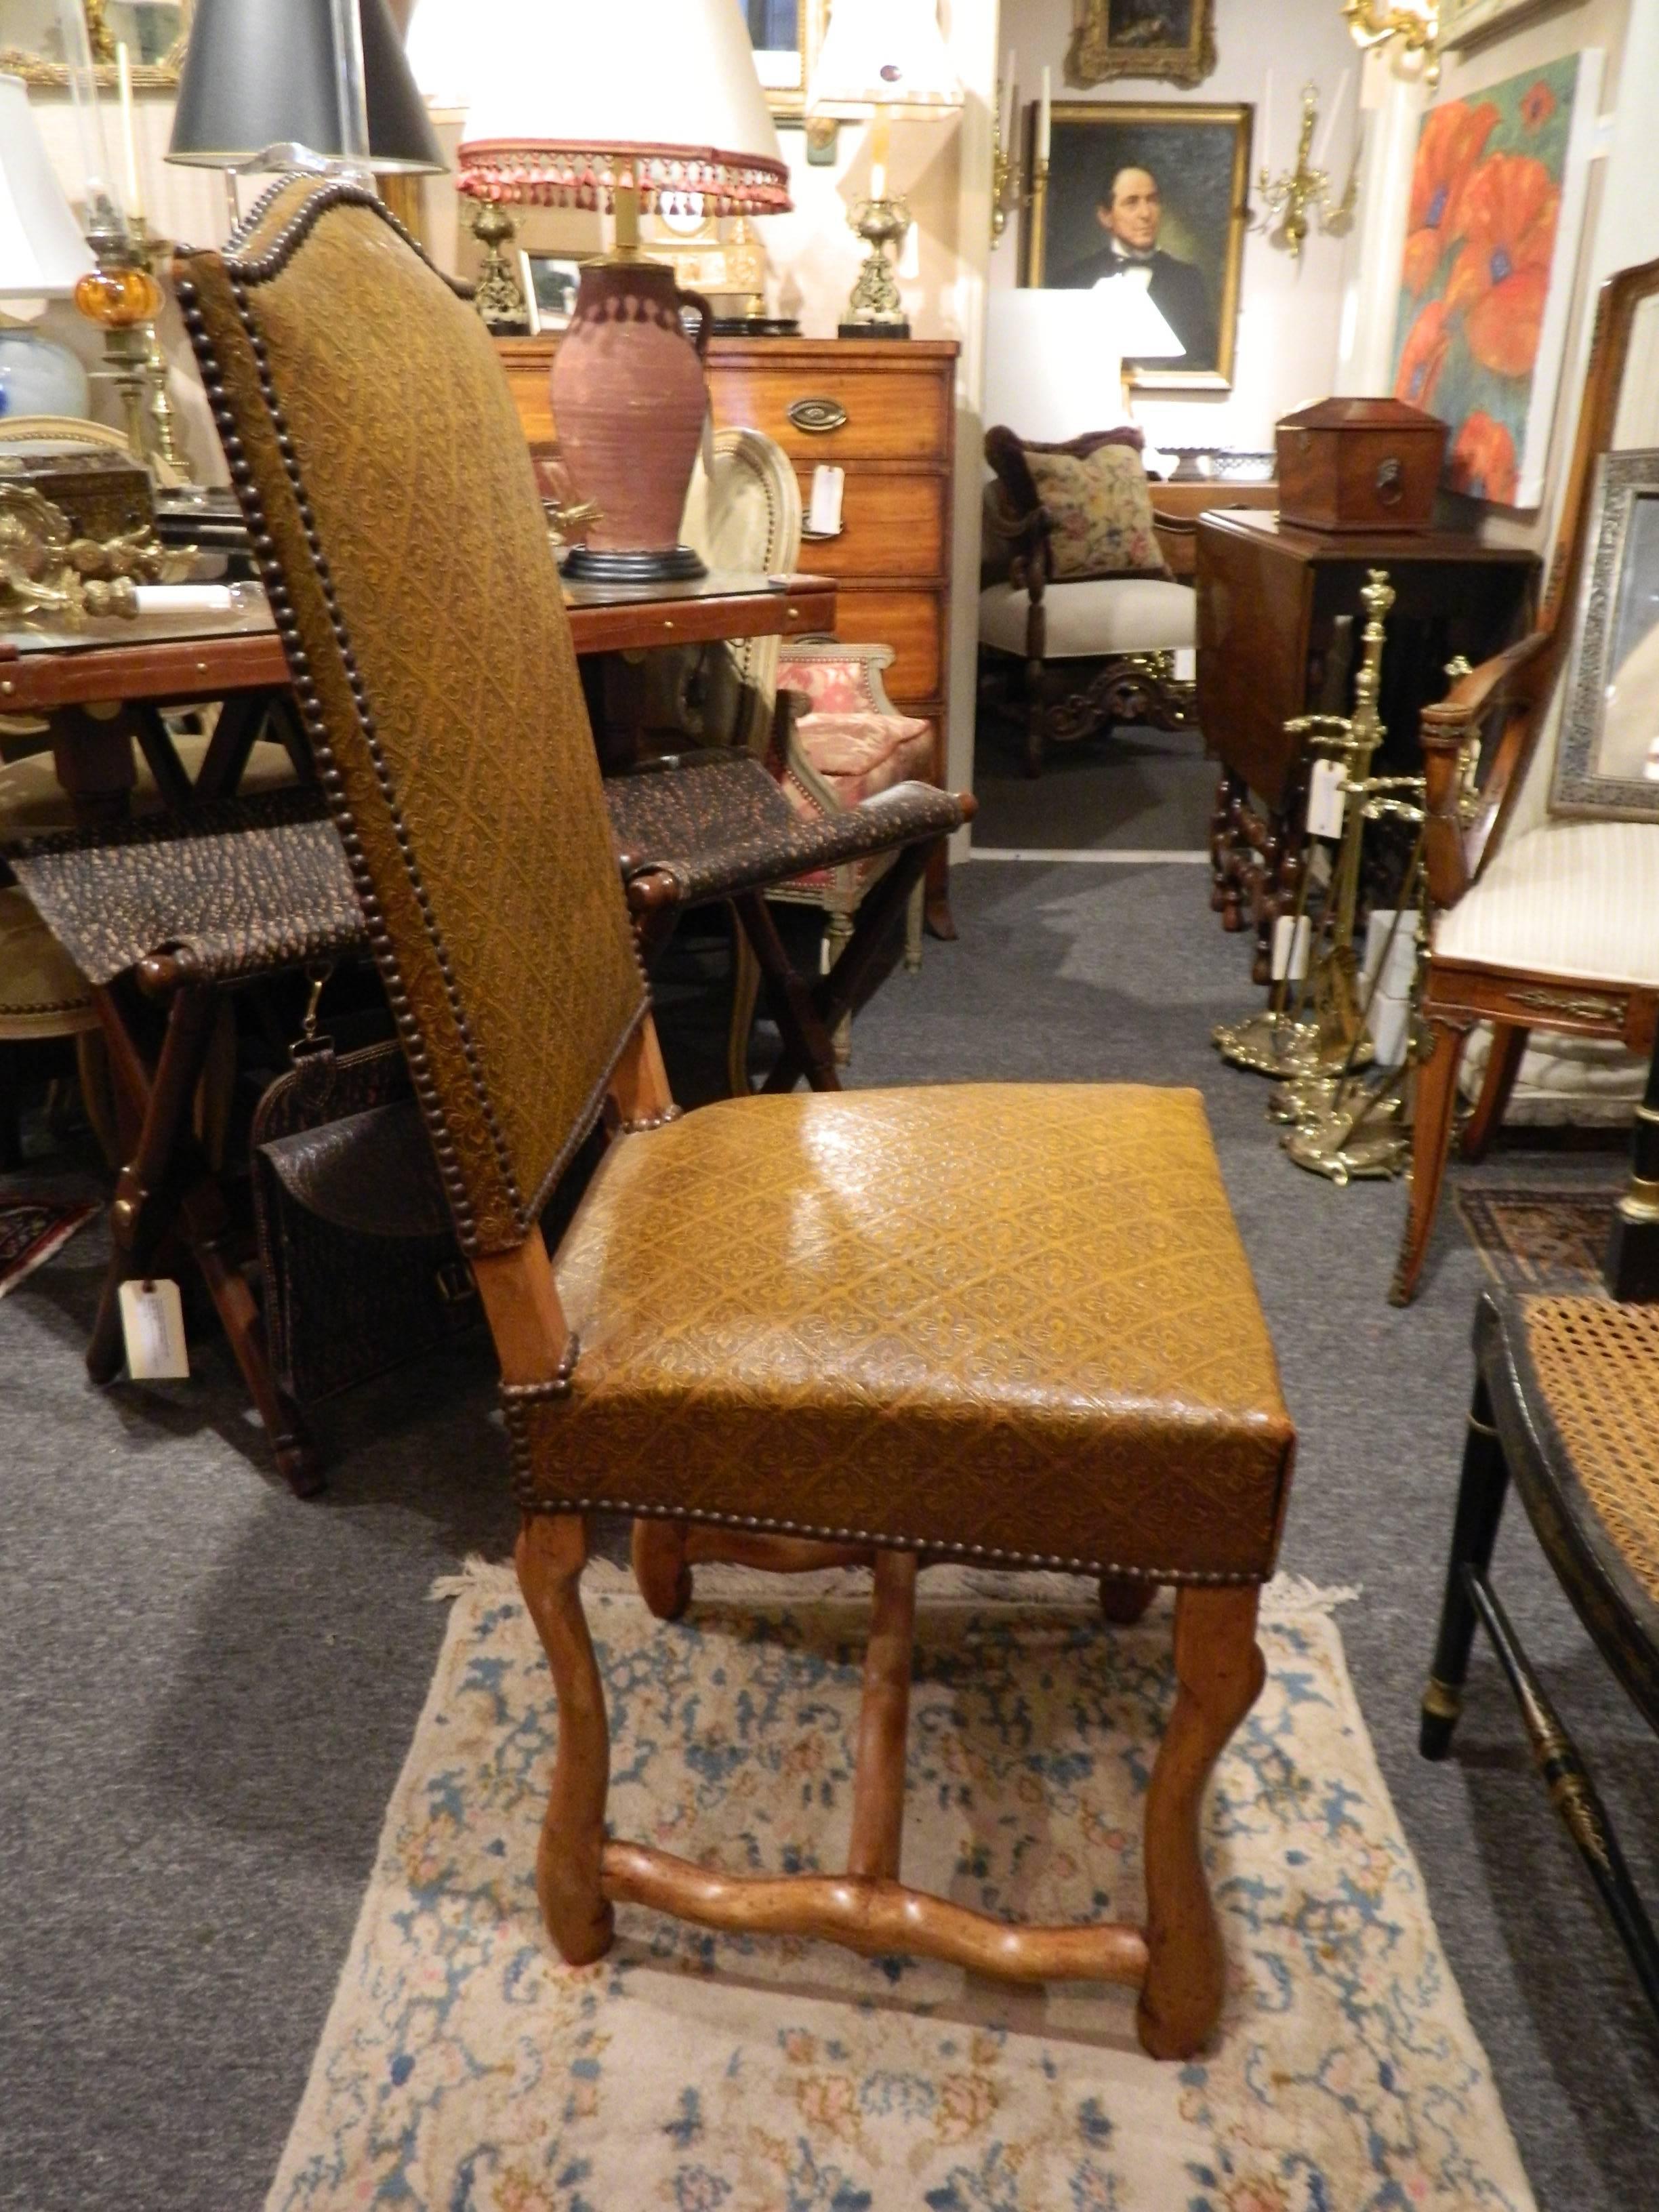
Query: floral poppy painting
(1496, 203)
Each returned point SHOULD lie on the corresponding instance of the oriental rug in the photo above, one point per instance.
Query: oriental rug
(463, 2069)
(33, 1229)
(1539, 1239)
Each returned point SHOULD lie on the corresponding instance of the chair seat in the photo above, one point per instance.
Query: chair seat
(718, 825)
(1578, 899)
(42, 993)
(1101, 615)
(1586, 1371)
(1011, 1323)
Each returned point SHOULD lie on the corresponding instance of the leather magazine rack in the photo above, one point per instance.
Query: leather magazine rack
(777, 1328)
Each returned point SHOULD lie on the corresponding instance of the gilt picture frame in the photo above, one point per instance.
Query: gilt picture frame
(787, 36)
(1197, 154)
(1607, 760)
(155, 33)
(1170, 39)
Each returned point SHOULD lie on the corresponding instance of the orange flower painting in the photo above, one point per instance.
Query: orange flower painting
(1496, 192)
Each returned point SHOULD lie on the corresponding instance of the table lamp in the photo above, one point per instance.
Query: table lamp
(656, 104)
(1137, 330)
(266, 74)
(43, 256)
(888, 57)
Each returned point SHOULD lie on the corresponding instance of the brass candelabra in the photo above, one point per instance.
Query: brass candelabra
(1289, 199)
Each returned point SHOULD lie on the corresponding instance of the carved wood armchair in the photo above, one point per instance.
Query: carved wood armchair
(772, 1331)
(1071, 655)
(1541, 922)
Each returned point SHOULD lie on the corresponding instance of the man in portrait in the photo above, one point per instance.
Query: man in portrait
(1130, 211)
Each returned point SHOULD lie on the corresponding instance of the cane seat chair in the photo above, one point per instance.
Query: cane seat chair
(1541, 923)
(777, 1325)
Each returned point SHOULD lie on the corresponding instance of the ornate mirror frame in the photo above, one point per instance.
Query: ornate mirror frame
(41, 74)
(788, 102)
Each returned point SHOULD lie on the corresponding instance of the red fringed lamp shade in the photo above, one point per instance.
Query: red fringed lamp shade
(672, 178)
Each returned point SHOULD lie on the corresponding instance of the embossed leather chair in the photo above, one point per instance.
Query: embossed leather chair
(778, 1325)
(1542, 922)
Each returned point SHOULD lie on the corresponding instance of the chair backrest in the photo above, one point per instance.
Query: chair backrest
(388, 493)
(1618, 412)
(744, 513)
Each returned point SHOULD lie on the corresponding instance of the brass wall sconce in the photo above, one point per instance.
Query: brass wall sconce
(1305, 190)
(1373, 22)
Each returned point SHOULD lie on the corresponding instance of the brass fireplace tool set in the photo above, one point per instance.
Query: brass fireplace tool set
(1316, 1036)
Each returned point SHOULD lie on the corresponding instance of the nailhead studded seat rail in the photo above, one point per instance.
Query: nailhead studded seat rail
(1013, 1324)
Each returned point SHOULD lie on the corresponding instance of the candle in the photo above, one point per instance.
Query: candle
(1006, 120)
(1324, 145)
(128, 135)
(1045, 119)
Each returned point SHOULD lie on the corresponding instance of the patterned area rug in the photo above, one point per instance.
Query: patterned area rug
(464, 2070)
(32, 1229)
(1539, 1240)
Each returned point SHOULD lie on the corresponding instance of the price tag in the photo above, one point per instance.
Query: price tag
(1325, 797)
(1291, 936)
(153, 1325)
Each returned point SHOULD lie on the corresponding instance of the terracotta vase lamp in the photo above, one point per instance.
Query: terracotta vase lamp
(595, 112)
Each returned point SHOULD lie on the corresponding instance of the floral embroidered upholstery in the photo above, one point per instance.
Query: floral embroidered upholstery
(1100, 513)
(849, 746)
(859, 754)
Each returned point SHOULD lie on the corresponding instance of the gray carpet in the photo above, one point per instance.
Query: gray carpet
(207, 1687)
(1149, 791)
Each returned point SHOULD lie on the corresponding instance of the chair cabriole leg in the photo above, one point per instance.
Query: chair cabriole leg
(657, 1551)
(1123, 1599)
(1219, 1671)
(552, 1550)
(884, 1720)
(1436, 1102)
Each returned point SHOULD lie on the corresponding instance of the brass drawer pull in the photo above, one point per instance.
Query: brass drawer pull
(817, 418)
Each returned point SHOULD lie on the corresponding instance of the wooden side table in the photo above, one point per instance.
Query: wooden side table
(1277, 613)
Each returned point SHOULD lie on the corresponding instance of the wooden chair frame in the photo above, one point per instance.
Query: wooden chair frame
(1510, 692)
(1177, 1962)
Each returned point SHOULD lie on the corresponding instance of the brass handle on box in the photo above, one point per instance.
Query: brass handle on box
(1390, 482)
(817, 418)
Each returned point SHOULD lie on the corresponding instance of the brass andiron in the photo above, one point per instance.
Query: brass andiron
(1310, 1045)
(1289, 198)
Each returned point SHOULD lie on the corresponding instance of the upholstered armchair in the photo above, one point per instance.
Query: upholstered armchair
(1079, 618)
(1542, 923)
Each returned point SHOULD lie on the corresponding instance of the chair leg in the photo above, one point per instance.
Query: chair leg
(1123, 1599)
(745, 995)
(1480, 1494)
(1219, 1670)
(913, 912)
(552, 1550)
(658, 1551)
(837, 936)
(1508, 1046)
(1436, 1101)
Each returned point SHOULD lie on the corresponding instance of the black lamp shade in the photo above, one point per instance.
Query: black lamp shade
(261, 73)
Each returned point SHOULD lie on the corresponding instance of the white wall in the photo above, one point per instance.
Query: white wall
(1288, 311)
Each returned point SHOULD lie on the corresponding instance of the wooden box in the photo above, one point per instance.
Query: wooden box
(1360, 465)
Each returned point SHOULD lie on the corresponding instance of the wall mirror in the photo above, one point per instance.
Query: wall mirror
(153, 32)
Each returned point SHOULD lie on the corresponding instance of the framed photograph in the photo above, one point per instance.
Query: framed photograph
(1606, 761)
(1174, 39)
(1497, 195)
(1155, 186)
(549, 284)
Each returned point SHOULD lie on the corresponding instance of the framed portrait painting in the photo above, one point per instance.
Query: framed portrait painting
(1497, 194)
(1606, 761)
(1150, 185)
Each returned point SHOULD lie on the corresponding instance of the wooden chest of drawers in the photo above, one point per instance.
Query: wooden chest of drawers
(885, 413)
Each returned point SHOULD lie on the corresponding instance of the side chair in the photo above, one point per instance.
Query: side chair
(778, 1326)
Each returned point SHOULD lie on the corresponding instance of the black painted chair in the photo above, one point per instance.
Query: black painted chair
(1567, 1411)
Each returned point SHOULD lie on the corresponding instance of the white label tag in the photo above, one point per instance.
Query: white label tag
(1325, 797)
(1290, 935)
(153, 1324)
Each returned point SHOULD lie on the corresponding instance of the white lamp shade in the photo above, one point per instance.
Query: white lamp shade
(1138, 331)
(42, 253)
(886, 51)
(1052, 366)
(567, 100)
(448, 50)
